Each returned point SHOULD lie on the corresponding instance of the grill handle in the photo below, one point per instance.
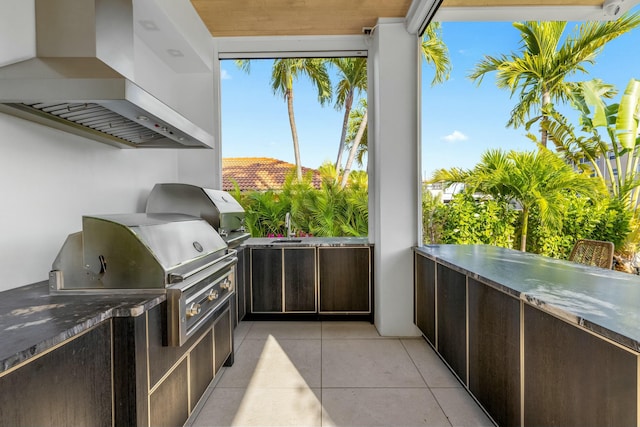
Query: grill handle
(227, 259)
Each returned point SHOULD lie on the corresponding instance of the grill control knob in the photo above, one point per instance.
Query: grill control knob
(193, 310)
(213, 295)
(226, 285)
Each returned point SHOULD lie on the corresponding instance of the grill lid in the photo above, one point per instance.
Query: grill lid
(134, 251)
(219, 208)
(172, 239)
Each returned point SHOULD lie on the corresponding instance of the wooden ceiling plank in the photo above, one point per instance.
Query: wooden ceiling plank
(226, 18)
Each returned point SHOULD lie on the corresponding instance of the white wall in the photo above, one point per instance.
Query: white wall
(49, 179)
(17, 31)
(393, 102)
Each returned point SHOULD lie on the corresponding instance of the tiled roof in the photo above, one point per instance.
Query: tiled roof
(259, 173)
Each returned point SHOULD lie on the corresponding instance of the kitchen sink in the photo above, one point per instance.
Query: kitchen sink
(286, 240)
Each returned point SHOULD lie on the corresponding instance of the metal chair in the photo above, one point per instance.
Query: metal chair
(593, 252)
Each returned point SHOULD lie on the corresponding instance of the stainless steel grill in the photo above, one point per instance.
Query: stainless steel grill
(217, 207)
(178, 254)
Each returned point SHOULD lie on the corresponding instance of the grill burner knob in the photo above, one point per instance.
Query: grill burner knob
(213, 295)
(193, 310)
(226, 285)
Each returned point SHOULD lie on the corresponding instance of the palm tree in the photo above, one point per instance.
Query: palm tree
(353, 79)
(357, 138)
(285, 71)
(593, 153)
(435, 52)
(540, 69)
(533, 179)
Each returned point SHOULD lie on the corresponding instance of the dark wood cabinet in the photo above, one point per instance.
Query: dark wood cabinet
(169, 400)
(119, 372)
(241, 302)
(425, 297)
(68, 386)
(310, 280)
(266, 280)
(521, 358)
(344, 279)
(451, 319)
(574, 378)
(161, 382)
(300, 280)
(223, 339)
(283, 280)
(200, 367)
(494, 352)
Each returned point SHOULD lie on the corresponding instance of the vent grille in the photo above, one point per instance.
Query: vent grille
(100, 119)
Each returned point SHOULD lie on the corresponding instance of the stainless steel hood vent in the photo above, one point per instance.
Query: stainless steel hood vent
(78, 83)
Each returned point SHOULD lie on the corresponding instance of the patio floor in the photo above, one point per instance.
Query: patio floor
(333, 374)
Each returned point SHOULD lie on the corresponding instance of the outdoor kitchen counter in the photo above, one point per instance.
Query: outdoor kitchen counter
(605, 302)
(306, 241)
(538, 341)
(32, 321)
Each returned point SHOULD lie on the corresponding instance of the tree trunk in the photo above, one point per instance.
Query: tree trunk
(546, 99)
(525, 226)
(354, 150)
(294, 134)
(543, 133)
(348, 102)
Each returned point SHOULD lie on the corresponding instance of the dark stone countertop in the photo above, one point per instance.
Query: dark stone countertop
(33, 321)
(272, 242)
(603, 301)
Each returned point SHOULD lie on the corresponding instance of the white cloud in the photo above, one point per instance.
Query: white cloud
(455, 136)
(224, 75)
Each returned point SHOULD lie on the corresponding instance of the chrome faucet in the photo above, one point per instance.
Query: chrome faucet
(287, 224)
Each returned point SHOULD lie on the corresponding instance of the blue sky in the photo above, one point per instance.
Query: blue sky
(460, 120)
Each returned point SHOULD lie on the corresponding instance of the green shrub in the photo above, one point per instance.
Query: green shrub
(329, 211)
(606, 220)
(465, 220)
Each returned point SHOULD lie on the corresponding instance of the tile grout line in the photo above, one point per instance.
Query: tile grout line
(426, 383)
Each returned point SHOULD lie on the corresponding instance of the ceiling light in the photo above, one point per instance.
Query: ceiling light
(176, 53)
(148, 25)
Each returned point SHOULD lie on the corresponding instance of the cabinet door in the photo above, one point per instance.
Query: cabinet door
(494, 352)
(69, 386)
(169, 402)
(452, 323)
(200, 368)
(345, 279)
(266, 280)
(425, 298)
(300, 280)
(572, 377)
(223, 339)
(240, 288)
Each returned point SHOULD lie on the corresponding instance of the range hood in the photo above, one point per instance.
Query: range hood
(78, 80)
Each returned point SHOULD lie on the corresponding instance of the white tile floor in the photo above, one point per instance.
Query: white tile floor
(333, 374)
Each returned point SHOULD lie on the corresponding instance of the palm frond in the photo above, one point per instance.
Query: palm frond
(436, 53)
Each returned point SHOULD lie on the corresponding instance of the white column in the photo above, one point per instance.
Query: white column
(394, 148)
